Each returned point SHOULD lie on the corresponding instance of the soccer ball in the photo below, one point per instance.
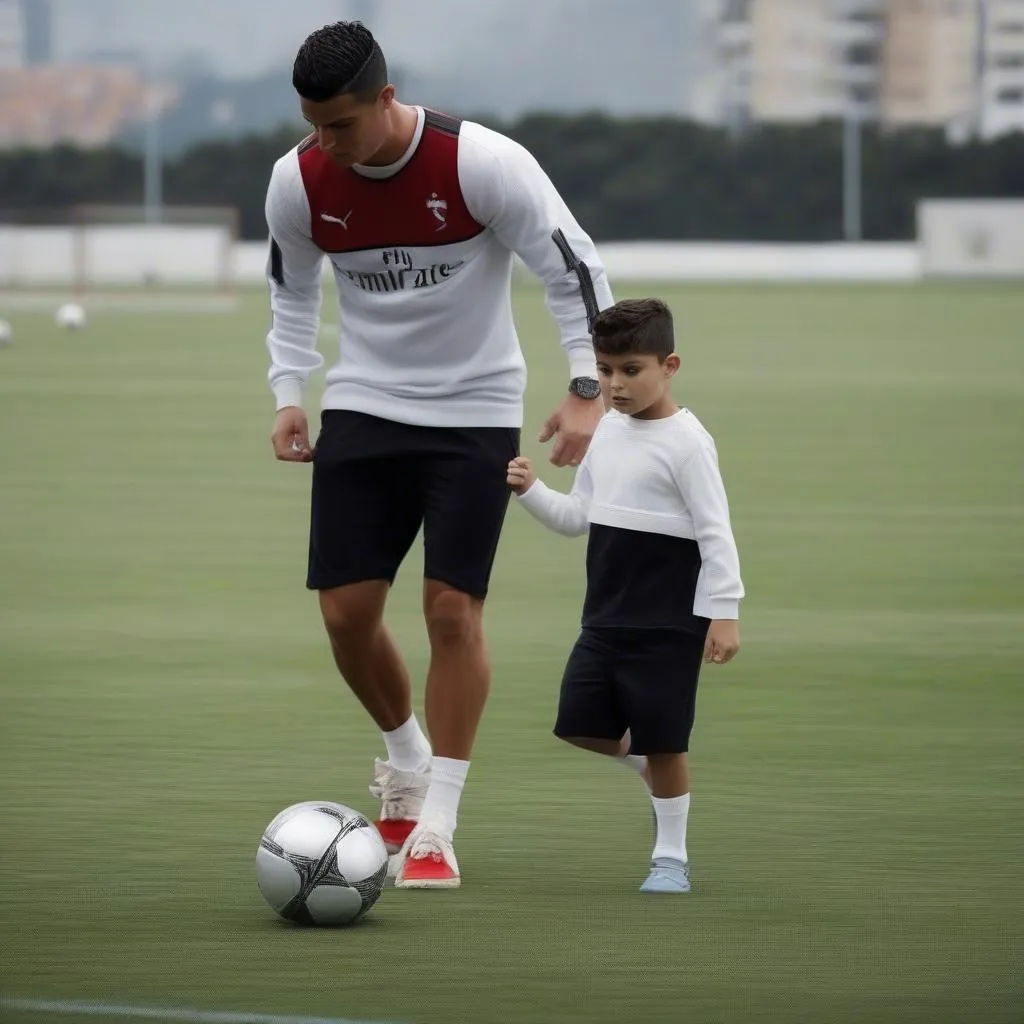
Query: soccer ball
(6, 334)
(321, 863)
(71, 316)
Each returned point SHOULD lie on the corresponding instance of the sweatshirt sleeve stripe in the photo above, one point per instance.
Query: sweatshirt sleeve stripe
(276, 263)
(576, 266)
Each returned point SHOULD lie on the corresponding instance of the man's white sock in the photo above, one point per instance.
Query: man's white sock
(441, 804)
(671, 813)
(408, 747)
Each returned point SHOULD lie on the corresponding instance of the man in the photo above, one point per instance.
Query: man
(420, 215)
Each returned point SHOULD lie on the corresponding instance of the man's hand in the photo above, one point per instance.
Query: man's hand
(723, 641)
(572, 424)
(290, 436)
(520, 475)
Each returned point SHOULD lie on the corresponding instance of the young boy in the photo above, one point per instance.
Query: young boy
(663, 577)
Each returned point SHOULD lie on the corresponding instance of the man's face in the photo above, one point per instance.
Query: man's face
(348, 130)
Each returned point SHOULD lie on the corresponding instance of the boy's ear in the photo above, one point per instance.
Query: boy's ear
(671, 365)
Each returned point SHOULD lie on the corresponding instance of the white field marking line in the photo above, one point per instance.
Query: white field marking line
(74, 1008)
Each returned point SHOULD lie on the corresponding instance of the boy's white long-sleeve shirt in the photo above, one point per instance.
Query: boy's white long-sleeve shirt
(661, 550)
(422, 253)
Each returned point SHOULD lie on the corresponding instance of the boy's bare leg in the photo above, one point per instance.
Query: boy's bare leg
(670, 775)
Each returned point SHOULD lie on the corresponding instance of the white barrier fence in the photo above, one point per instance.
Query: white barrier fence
(708, 261)
(963, 238)
(971, 238)
(130, 254)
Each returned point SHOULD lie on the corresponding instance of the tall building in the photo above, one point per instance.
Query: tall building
(930, 64)
(954, 64)
(815, 59)
(12, 34)
(1002, 68)
(36, 19)
(787, 60)
(721, 62)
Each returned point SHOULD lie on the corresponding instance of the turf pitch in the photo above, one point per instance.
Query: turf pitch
(856, 829)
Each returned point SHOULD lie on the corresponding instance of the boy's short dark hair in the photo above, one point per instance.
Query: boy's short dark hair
(337, 59)
(640, 326)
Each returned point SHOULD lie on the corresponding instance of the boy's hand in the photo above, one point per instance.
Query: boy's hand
(520, 475)
(723, 641)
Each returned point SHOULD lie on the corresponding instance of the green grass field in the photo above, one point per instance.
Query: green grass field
(857, 828)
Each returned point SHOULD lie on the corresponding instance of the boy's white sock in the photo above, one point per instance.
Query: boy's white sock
(441, 804)
(635, 761)
(671, 813)
(408, 747)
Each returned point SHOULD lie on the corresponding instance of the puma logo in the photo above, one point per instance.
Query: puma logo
(343, 221)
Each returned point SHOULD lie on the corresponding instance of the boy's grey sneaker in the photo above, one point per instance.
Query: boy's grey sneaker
(667, 875)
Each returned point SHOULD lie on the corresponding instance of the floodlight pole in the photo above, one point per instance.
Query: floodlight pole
(851, 177)
(153, 159)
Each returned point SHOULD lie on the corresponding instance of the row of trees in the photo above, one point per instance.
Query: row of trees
(624, 178)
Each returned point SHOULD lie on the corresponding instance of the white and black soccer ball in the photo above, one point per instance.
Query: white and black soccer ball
(71, 317)
(321, 863)
(6, 334)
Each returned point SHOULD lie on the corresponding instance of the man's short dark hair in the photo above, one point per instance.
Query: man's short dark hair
(640, 326)
(337, 59)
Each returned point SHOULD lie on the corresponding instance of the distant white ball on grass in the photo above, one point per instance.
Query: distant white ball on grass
(6, 334)
(71, 316)
(321, 863)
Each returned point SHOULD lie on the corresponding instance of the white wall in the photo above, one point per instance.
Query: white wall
(123, 254)
(714, 261)
(964, 238)
(972, 237)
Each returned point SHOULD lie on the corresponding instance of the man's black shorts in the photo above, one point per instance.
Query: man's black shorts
(376, 482)
(643, 680)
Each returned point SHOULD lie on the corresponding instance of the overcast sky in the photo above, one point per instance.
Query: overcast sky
(620, 55)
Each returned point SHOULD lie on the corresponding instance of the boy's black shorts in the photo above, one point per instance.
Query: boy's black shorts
(643, 680)
(377, 482)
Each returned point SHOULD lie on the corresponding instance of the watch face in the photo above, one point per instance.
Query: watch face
(585, 387)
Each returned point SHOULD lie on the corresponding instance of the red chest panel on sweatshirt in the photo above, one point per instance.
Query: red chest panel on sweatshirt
(421, 205)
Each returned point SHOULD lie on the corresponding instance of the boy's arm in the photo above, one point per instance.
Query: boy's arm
(294, 267)
(703, 490)
(566, 514)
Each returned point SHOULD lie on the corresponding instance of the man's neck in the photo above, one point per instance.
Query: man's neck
(403, 129)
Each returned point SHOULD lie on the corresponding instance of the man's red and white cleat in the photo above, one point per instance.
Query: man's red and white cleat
(428, 862)
(401, 795)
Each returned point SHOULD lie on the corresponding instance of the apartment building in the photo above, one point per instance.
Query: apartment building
(957, 64)
(1002, 75)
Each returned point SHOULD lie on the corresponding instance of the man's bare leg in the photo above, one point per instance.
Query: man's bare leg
(368, 660)
(364, 652)
(458, 684)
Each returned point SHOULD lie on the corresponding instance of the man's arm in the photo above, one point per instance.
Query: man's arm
(294, 268)
(509, 192)
(506, 189)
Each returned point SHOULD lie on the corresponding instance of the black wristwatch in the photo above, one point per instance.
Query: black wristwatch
(585, 387)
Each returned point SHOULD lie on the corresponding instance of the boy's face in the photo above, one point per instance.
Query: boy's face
(638, 385)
